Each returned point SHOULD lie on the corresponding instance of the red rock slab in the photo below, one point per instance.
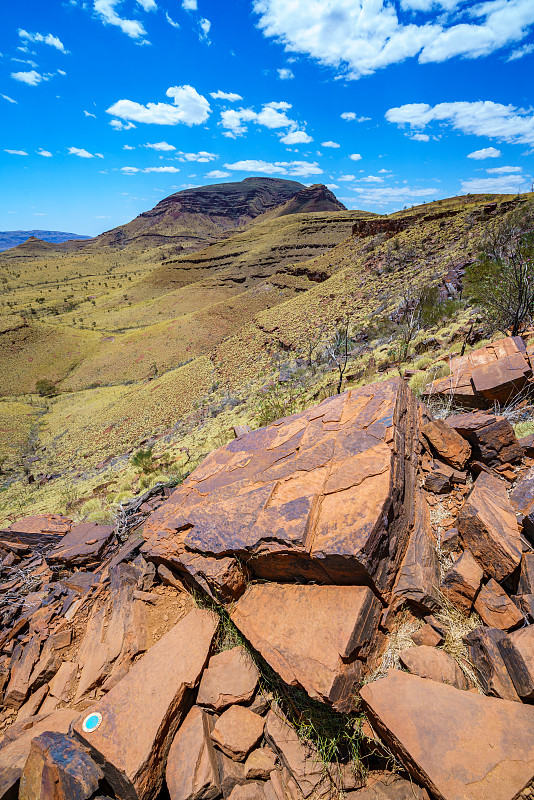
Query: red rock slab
(259, 764)
(192, 772)
(522, 500)
(141, 713)
(429, 662)
(300, 759)
(427, 635)
(22, 664)
(492, 438)
(248, 791)
(313, 636)
(42, 523)
(496, 609)
(326, 495)
(447, 443)
(418, 577)
(517, 650)
(59, 762)
(462, 581)
(459, 745)
(526, 575)
(237, 731)
(230, 677)
(15, 746)
(83, 544)
(487, 661)
(488, 527)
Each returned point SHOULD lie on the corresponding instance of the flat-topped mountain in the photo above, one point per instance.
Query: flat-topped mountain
(10, 239)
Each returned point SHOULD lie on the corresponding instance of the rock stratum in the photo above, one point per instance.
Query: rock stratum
(360, 564)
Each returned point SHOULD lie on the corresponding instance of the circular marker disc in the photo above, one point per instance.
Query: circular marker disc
(92, 722)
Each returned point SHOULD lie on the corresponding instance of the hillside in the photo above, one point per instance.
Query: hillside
(10, 239)
(176, 350)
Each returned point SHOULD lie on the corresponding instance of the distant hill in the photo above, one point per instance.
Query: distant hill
(10, 239)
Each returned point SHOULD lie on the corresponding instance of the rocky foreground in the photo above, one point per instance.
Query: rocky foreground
(336, 552)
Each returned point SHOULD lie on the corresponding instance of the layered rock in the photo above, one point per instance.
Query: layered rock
(325, 495)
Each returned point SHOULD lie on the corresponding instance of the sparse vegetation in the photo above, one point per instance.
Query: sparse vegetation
(46, 388)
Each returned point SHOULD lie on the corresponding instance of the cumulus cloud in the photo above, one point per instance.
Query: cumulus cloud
(190, 108)
(45, 153)
(160, 146)
(502, 184)
(388, 195)
(285, 74)
(202, 157)
(347, 178)
(32, 78)
(16, 152)
(134, 170)
(128, 147)
(106, 10)
(53, 41)
(296, 137)
(147, 5)
(330, 144)
(481, 118)
(121, 126)
(217, 173)
(9, 99)
(189, 5)
(420, 137)
(372, 179)
(351, 116)
(355, 157)
(486, 152)
(504, 170)
(293, 168)
(362, 37)
(232, 97)
(81, 153)
(272, 115)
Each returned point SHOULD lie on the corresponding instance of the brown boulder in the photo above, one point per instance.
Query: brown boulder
(447, 443)
(326, 495)
(427, 635)
(237, 731)
(527, 443)
(231, 773)
(496, 609)
(83, 544)
(487, 661)
(388, 786)
(461, 583)
(300, 759)
(458, 744)
(429, 662)
(22, 663)
(517, 650)
(522, 500)
(259, 764)
(248, 791)
(312, 636)
(526, 575)
(58, 768)
(230, 677)
(418, 576)
(488, 527)
(141, 713)
(191, 772)
(492, 438)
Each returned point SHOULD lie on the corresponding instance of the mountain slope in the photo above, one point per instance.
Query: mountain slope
(10, 239)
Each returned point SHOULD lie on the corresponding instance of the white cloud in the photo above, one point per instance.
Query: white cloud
(190, 108)
(202, 157)
(232, 97)
(481, 118)
(293, 168)
(217, 173)
(526, 50)
(347, 178)
(81, 153)
(121, 126)
(147, 5)
(330, 144)
(296, 137)
(355, 157)
(160, 146)
(61, 72)
(9, 99)
(189, 5)
(332, 186)
(361, 37)
(373, 179)
(205, 27)
(503, 184)
(285, 74)
(45, 153)
(386, 195)
(486, 152)
(272, 115)
(32, 78)
(133, 170)
(348, 115)
(420, 137)
(171, 21)
(53, 41)
(88, 114)
(107, 13)
(503, 170)
(128, 147)
(16, 152)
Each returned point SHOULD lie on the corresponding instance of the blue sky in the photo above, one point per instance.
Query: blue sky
(107, 106)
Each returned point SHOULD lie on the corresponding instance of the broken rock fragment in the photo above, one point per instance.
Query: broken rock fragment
(418, 576)
(435, 664)
(496, 609)
(447, 443)
(300, 759)
(130, 730)
(517, 650)
(522, 499)
(237, 731)
(230, 677)
(488, 527)
(192, 772)
(492, 438)
(469, 746)
(487, 661)
(83, 544)
(461, 583)
(58, 768)
(314, 636)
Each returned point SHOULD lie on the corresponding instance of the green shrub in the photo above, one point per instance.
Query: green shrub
(46, 388)
(143, 461)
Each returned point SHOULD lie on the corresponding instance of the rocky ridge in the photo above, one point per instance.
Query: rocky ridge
(362, 554)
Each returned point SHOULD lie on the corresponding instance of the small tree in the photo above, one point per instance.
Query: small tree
(143, 461)
(46, 388)
(338, 348)
(501, 280)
